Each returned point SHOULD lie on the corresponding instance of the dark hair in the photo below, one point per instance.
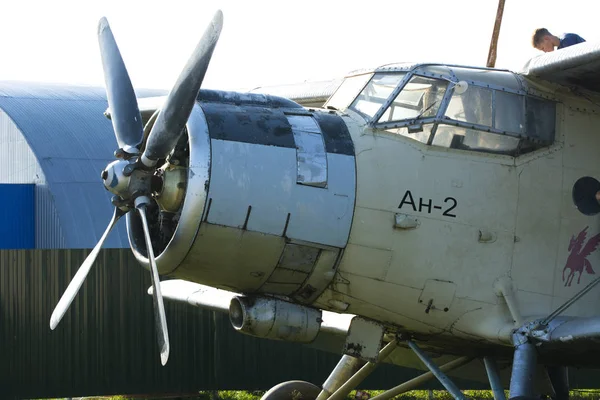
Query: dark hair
(538, 35)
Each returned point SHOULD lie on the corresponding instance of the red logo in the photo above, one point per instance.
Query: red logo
(577, 260)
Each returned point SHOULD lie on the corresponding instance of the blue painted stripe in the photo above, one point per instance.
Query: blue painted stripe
(17, 216)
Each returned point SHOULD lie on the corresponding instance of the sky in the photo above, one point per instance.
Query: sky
(272, 42)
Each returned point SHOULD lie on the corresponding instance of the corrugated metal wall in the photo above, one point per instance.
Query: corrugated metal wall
(48, 230)
(17, 217)
(18, 164)
(106, 342)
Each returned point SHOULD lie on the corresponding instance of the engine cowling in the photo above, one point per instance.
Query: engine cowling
(266, 204)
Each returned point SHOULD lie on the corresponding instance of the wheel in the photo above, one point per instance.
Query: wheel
(292, 390)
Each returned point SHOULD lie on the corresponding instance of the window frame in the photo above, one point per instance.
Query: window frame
(388, 101)
(441, 118)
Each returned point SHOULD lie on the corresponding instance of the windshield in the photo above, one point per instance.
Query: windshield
(473, 116)
(347, 91)
(375, 94)
(421, 97)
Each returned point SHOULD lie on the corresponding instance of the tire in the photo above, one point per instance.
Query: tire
(292, 390)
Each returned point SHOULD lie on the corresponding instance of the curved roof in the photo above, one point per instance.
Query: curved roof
(303, 92)
(73, 141)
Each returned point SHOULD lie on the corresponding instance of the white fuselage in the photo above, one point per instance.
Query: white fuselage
(483, 222)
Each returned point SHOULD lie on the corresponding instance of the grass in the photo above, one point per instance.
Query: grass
(593, 394)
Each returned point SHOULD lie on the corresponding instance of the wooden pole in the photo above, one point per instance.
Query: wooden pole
(491, 61)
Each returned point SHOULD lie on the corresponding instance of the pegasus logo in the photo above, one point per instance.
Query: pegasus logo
(577, 260)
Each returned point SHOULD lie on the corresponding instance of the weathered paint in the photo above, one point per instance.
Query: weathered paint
(264, 177)
(271, 126)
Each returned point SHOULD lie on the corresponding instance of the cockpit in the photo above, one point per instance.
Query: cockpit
(477, 109)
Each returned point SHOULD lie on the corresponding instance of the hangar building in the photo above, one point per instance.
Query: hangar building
(54, 142)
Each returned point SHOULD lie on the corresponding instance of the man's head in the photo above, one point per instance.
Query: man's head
(544, 40)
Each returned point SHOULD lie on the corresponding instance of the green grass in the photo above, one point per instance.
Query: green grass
(412, 395)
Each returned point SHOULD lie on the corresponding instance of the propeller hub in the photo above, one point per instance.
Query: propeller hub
(127, 180)
(116, 178)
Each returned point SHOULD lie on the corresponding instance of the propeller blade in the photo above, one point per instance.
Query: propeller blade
(71, 291)
(125, 113)
(177, 108)
(159, 307)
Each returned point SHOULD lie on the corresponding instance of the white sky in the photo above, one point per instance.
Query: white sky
(271, 42)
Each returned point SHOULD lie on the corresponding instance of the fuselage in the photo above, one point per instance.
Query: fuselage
(422, 229)
(438, 231)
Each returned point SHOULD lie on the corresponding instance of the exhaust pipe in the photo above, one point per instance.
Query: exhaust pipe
(270, 318)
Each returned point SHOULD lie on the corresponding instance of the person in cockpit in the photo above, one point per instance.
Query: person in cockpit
(543, 40)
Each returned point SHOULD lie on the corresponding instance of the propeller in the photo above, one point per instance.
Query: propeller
(125, 114)
(71, 291)
(159, 308)
(129, 178)
(170, 122)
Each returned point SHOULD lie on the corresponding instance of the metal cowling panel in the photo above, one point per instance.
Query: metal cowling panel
(106, 341)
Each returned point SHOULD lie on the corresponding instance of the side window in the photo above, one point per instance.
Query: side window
(473, 106)
(480, 117)
(503, 122)
(509, 112)
(457, 137)
(541, 119)
(422, 135)
(421, 97)
(375, 94)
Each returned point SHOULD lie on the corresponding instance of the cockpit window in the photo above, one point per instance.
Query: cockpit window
(457, 137)
(540, 118)
(421, 97)
(375, 94)
(347, 91)
(509, 112)
(473, 106)
(434, 107)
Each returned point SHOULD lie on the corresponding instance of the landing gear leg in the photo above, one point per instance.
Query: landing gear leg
(443, 378)
(340, 382)
(351, 371)
(345, 368)
(492, 372)
(342, 391)
(522, 384)
(348, 373)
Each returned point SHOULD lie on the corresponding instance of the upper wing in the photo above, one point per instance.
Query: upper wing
(577, 65)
